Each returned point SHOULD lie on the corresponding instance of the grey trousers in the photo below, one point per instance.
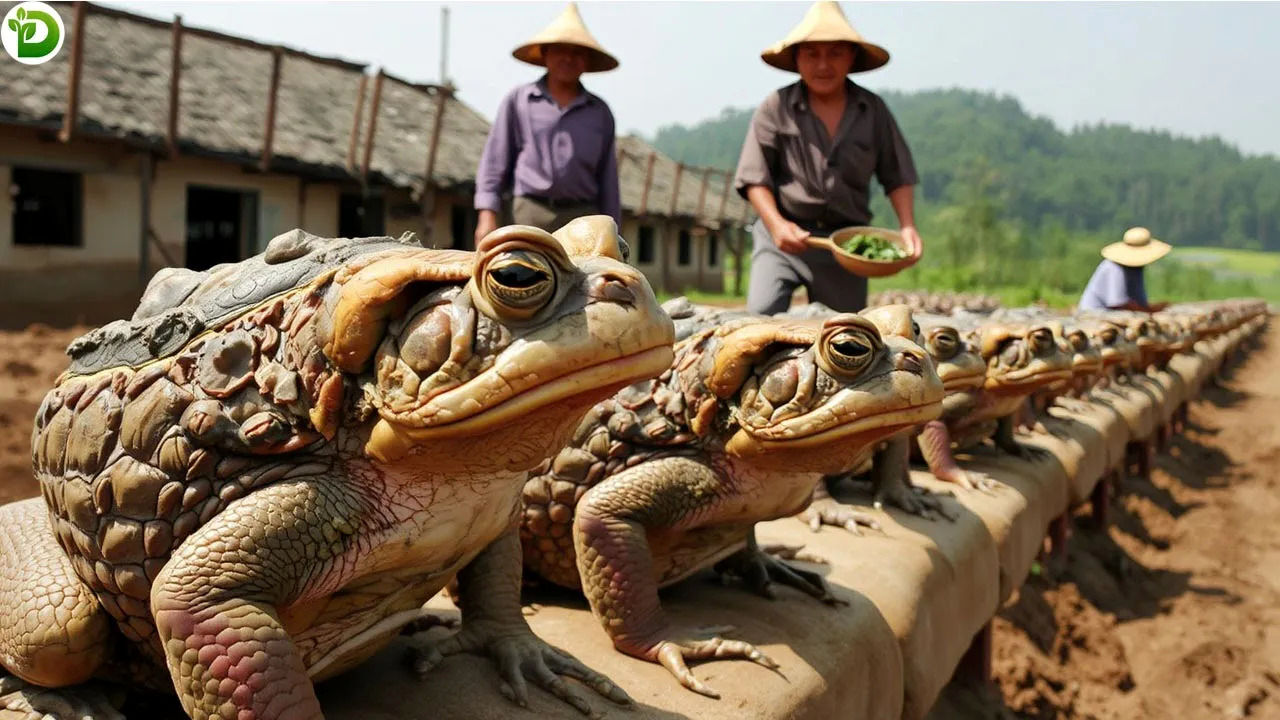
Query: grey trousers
(775, 275)
(525, 211)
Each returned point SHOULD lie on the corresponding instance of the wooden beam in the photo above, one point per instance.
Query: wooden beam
(144, 239)
(373, 126)
(675, 190)
(269, 132)
(648, 179)
(428, 199)
(442, 102)
(72, 113)
(724, 197)
(355, 124)
(702, 194)
(175, 84)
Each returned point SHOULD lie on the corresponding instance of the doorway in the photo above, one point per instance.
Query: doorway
(221, 225)
(361, 215)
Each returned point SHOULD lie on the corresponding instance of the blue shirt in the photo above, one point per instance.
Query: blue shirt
(536, 148)
(1113, 285)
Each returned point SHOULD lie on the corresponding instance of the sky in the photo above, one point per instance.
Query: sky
(1193, 68)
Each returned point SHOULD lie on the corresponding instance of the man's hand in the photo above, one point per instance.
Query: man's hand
(788, 236)
(915, 245)
(486, 222)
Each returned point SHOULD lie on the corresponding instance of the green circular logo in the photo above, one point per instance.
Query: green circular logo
(32, 33)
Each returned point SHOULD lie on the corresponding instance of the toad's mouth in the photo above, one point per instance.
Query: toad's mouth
(862, 430)
(1027, 380)
(584, 386)
(967, 381)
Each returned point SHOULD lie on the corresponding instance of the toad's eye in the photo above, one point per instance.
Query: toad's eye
(520, 281)
(945, 345)
(851, 350)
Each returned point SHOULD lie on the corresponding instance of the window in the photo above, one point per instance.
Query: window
(46, 207)
(361, 215)
(713, 249)
(462, 227)
(644, 254)
(684, 254)
(222, 226)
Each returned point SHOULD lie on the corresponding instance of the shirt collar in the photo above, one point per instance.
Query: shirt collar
(799, 95)
(539, 89)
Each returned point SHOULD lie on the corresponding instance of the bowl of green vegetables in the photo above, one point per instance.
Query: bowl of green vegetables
(868, 251)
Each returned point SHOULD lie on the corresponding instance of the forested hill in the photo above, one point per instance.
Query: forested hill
(1100, 178)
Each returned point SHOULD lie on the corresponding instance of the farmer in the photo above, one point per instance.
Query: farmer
(1118, 283)
(807, 163)
(552, 142)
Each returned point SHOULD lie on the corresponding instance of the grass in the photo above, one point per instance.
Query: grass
(1189, 273)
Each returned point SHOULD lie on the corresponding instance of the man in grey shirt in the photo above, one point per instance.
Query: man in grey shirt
(806, 166)
(1118, 282)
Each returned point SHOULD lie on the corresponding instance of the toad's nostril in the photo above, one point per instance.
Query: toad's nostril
(612, 287)
(909, 362)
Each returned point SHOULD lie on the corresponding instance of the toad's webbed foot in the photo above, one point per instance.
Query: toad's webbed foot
(759, 570)
(935, 445)
(793, 552)
(829, 511)
(674, 652)
(493, 625)
(90, 701)
(428, 621)
(520, 655)
(915, 500)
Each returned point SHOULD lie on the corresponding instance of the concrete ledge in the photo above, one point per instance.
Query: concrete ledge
(918, 594)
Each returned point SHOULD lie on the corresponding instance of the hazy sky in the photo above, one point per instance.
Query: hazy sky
(1192, 68)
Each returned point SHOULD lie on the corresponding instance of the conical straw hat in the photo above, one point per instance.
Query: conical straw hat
(568, 29)
(824, 22)
(1137, 249)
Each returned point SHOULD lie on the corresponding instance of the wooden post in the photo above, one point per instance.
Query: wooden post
(355, 123)
(72, 114)
(702, 194)
(675, 190)
(648, 178)
(443, 93)
(373, 126)
(269, 133)
(175, 80)
(724, 196)
(144, 236)
(740, 234)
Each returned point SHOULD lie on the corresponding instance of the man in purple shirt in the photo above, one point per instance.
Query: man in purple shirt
(1118, 282)
(552, 142)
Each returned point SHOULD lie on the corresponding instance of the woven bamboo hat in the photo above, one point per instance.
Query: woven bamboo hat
(1137, 249)
(824, 22)
(568, 29)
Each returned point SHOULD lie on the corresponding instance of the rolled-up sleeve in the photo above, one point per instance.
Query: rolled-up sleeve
(759, 149)
(610, 198)
(497, 162)
(894, 165)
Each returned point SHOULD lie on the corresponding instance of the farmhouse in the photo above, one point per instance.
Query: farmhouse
(147, 144)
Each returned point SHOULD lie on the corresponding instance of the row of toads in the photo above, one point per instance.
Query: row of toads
(259, 479)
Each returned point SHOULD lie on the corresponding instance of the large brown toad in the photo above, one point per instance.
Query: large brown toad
(670, 475)
(258, 481)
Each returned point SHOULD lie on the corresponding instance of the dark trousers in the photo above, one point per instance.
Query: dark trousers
(528, 211)
(775, 275)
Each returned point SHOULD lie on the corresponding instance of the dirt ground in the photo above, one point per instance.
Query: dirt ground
(1173, 612)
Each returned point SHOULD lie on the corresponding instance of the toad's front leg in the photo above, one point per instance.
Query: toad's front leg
(619, 576)
(493, 624)
(217, 601)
